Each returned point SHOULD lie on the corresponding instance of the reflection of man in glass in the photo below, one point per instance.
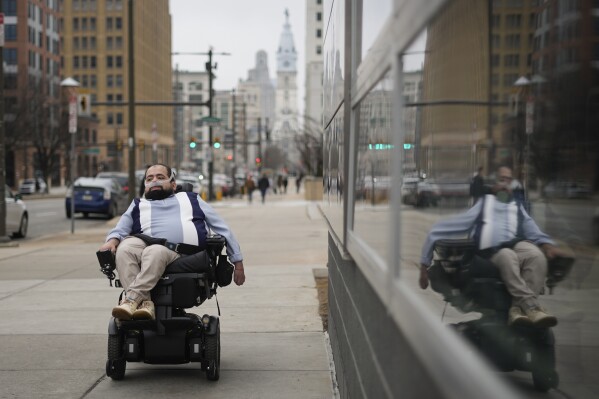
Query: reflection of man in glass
(509, 237)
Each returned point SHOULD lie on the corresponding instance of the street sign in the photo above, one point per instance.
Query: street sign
(529, 116)
(73, 114)
(210, 121)
(1, 29)
(83, 104)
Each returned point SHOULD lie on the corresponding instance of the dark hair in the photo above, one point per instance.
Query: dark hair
(168, 171)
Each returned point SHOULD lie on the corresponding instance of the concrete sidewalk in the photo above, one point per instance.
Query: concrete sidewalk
(55, 308)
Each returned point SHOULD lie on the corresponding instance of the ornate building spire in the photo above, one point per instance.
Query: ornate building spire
(286, 54)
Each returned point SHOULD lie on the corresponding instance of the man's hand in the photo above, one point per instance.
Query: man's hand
(423, 280)
(238, 274)
(552, 251)
(110, 245)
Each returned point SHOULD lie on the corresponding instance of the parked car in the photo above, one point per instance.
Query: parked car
(17, 217)
(32, 186)
(224, 183)
(567, 189)
(420, 193)
(121, 177)
(96, 195)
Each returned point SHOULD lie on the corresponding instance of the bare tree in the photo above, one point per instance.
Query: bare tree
(35, 121)
(310, 147)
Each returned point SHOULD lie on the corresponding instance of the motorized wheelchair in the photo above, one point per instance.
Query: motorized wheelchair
(175, 336)
(472, 283)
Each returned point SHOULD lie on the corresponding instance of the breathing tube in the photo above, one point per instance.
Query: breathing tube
(155, 183)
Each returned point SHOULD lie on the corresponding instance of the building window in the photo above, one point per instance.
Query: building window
(75, 62)
(109, 80)
(92, 61)
(318, 32)
(118, 42)
(513, 20)
(84, 43)
(93, 81)
(319, 16)
(119, 61)
(92, 43)
(318, 49)
(109, 61)
(75, 43)
(9, 7)
(75, 24)
(110, 118)
(109, 43)
(512, 41)
(511, 60)
(119, 118)
(10, 56)
(108, 23)
(10, 32)
(118, 23)
(119, 80)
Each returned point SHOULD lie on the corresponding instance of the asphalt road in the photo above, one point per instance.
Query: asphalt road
(48, 217)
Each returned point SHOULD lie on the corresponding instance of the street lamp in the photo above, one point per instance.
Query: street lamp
(71, 85)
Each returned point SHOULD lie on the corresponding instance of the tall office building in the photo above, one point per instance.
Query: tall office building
(314, 66)
(95, 53)
(256, 103)
(32, 89)
(286, 117)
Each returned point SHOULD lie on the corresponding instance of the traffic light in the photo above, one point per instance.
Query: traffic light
(229, 157)
(192, 142)
(258, 161)
(216, 143)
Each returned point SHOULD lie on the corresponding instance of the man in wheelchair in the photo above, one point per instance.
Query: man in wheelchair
(505, 234)
(180, 221)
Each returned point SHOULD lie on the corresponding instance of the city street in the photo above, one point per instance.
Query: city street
(55, 308)
(47, 216)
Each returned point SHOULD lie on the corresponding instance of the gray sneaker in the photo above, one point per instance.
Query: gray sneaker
(516, 317)
(145, 311)
(125, 310)
(540, 318)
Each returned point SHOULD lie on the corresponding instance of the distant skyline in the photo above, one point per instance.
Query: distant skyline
(239, 27)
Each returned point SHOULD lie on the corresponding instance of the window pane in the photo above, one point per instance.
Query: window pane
(373, 175)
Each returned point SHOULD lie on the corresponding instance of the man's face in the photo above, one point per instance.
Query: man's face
(502, 189)
(158, 181)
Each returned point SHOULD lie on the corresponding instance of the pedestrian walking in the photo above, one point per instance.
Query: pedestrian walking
(250, 186)
(298, 182)
(285, 182)
(280, 184)
(263, 185)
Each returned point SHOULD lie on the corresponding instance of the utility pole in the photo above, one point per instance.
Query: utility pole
(131, 73)
(3, 236)
(209, 68)
(260, 142)
(210, 135)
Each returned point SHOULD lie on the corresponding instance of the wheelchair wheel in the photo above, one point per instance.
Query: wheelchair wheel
(212, 356)
(544, 380)
(116, 363)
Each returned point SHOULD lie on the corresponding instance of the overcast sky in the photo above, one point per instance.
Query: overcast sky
(239, 27)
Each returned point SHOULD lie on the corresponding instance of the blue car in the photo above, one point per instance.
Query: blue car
(96, 195)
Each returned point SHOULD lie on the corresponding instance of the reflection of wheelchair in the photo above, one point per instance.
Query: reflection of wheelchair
(472, 284)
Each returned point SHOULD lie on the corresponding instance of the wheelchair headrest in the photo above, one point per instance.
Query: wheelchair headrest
(187, 187)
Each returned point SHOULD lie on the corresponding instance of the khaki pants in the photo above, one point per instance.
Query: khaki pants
(523, 269)
(141, 266)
